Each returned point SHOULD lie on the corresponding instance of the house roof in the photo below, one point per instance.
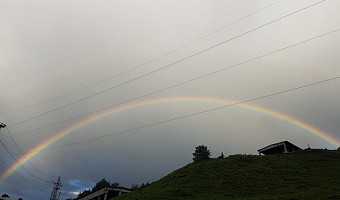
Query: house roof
(105, 189)
(272, 146)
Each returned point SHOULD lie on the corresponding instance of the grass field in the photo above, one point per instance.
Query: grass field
(308, 174)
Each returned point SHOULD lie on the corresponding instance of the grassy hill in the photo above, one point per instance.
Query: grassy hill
(308, 174)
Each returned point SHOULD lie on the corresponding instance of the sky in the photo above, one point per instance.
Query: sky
(125, 90)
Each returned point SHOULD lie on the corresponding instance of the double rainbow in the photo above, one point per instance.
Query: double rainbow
(290, 120)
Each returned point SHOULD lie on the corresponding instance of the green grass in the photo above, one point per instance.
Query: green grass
(309, 174)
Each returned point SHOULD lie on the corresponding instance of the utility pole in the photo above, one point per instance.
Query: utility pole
(57, 186)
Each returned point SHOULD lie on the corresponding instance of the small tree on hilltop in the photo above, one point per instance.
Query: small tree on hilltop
(201, 153)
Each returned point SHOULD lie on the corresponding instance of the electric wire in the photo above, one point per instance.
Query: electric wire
(185, 82)
(194, 114)
(148, 62)
(9, 167)
(26, 159)
(23, 177)
(67, 195)
(166, 66)
(29, 172)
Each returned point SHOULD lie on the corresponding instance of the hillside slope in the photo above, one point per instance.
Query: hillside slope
(308, 174)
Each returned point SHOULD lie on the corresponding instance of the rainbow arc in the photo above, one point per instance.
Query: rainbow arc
(281, 116)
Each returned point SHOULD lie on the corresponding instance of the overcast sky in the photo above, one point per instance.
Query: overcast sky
(55, 48)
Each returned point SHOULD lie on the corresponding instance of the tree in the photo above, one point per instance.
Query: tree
(100, 185)
(134, 187)
(5, 195)
(115, 184)
(84, 193)
(201, 153)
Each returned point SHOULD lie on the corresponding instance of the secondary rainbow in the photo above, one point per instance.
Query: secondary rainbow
(291, 120)
(38, 86)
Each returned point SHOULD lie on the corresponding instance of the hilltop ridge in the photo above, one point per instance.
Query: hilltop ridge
(307, 174)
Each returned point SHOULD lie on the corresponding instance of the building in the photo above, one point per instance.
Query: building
(278, 148)
(105, 193)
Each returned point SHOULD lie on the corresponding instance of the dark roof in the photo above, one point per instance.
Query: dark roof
(107, 188)
(280, 147)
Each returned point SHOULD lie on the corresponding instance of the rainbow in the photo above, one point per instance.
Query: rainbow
(38, 86)
(290, 120)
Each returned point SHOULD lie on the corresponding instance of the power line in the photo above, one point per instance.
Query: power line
(2, 125)
(196, 113)
(32, 174)
(26, 159)
(148, 62)
(167, 66)
(22, 177)
(185, 82)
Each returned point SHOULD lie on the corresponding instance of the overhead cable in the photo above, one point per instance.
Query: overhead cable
(29, 172)
(22, 177)
(148, 62)
(167, 66)
(183, 83)
(194, 114)
(26, 159)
